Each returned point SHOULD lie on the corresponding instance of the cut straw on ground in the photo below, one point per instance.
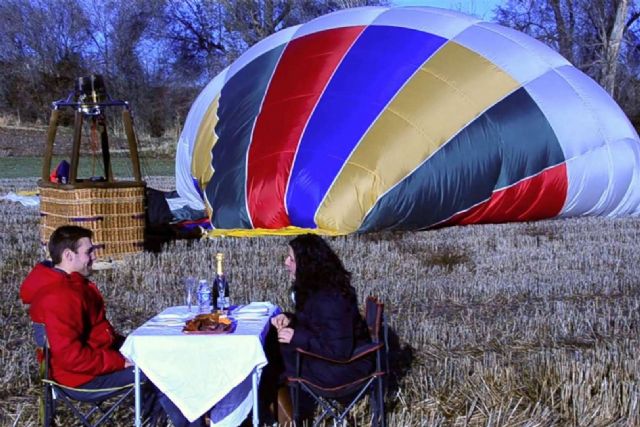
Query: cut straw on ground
(530, 324)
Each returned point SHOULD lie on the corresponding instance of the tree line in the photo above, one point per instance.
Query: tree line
(159, 54)
(600, 37)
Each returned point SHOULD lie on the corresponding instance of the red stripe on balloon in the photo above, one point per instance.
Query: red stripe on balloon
(541, 196)
(304, 70)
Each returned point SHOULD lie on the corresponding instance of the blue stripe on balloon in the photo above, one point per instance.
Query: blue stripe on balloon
(372, 72)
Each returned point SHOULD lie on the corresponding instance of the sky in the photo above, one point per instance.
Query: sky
(480, 8)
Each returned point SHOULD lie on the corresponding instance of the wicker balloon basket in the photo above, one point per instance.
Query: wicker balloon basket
(114, 210)
(115, 214)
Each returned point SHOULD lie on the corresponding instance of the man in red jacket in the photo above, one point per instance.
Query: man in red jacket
(83, 344)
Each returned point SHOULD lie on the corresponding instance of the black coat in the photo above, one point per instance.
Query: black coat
(329, 324)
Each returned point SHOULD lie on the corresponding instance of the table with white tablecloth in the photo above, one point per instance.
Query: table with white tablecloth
(203, 371)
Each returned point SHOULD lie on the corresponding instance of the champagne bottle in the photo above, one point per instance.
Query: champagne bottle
(214, 295)
(221, 285)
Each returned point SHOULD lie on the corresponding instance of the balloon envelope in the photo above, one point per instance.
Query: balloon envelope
(404, 118)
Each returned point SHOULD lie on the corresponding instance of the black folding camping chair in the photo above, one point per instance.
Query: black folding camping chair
(89, 406)
(336, 402)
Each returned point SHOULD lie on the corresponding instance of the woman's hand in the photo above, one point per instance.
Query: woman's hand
(285, 335)
(280, 321)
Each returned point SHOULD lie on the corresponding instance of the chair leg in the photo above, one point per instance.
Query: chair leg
(373, 405)
(49, 408)
(296, 400)
(106, 414)
(296, 392)
(380, 403)
(83, 418)
(327, 409)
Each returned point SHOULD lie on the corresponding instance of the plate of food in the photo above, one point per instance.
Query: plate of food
(210, 323)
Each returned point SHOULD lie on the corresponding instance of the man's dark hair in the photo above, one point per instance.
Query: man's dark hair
(66, 237)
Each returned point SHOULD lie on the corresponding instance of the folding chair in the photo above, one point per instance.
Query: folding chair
(85, 404)
(336, 402)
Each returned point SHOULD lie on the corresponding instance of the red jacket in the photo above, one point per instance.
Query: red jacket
(82, 341)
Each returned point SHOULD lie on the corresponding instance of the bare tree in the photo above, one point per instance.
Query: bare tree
(611, 27)
(597, 36)
(42, 48)
(122, 46)
(253, 20)
(155, 53)
(206, 35)
(197, 39)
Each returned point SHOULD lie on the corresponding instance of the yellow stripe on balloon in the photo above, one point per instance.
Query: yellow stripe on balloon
(206, 138)
(459, 85)
(258, 232)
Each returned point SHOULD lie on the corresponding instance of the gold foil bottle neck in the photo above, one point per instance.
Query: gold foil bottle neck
(219, 258)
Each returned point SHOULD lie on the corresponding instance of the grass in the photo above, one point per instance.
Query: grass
(31, 166)
(534, 324)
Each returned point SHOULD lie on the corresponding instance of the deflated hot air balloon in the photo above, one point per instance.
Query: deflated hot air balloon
(403, 119)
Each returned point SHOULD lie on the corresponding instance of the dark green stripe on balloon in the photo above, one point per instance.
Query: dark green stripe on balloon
(240, 102)
(510, 142)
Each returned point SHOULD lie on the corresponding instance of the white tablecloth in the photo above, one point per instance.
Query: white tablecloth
(198, 371)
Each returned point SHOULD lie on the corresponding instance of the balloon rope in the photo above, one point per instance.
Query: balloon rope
(94, 145)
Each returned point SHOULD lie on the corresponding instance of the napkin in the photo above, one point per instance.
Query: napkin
(253, 310)
(165, 322)
(168, 319)
(163, 316)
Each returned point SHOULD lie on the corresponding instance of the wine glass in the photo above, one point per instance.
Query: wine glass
(189, 289)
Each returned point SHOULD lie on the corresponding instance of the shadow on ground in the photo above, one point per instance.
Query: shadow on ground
(400, 361)
(157, 236)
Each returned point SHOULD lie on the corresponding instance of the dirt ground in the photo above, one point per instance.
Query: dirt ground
(30, 141)
(21, 141)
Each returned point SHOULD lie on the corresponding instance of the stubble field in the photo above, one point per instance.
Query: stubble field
(533, 324)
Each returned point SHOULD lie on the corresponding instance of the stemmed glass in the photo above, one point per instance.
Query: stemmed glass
(189, 289)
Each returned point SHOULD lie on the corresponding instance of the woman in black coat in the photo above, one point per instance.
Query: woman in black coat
(326, 320)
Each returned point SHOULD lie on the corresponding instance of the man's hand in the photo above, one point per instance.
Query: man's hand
(280, 321)
(285, 335)
(128, 363)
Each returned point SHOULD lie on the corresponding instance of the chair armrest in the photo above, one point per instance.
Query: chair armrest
(358, 353)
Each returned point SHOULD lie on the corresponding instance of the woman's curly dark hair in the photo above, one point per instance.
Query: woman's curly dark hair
(318, 267)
